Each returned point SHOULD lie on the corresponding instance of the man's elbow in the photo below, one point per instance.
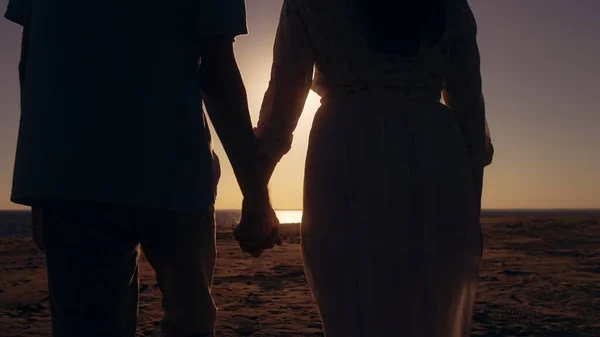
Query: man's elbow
(218, 76)
(217, 54)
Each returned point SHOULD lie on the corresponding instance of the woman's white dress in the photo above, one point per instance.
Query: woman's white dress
(391, 238)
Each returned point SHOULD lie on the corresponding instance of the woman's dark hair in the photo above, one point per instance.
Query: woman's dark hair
(400, 26)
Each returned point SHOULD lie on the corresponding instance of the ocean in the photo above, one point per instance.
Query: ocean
(17, 223)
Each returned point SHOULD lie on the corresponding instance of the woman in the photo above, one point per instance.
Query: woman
(391, 238)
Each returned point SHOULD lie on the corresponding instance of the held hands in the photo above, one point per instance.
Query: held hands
(258, 229)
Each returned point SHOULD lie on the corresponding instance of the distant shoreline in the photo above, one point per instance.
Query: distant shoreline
(485, 212)
(18, 222)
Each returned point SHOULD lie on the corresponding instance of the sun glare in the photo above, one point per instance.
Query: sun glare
(313, 102)
(289, 216)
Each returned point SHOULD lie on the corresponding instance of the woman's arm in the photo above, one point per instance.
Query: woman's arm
(291, 79)
(463, 93)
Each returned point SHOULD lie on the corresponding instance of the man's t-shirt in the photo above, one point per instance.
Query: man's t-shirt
(111, 106)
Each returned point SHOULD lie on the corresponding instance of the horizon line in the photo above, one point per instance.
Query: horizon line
(299, 209)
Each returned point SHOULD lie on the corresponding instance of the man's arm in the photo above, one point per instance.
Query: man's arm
(20, 12)
(37, 218)
(464, 95)
(225, 97)
(24, 57)
(37, 221)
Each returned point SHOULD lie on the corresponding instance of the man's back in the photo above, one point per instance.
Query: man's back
(112, 110)
(114, 153)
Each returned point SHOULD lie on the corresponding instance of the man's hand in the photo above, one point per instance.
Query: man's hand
(37, 227)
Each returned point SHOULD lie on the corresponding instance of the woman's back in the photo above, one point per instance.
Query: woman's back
(338, 38)
(390, 230)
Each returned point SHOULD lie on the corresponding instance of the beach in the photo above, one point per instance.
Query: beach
(540, 276)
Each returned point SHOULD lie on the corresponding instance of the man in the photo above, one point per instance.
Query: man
(114, 151)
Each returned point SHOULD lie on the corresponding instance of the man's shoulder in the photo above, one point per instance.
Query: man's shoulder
(221, 17)
(18, 11)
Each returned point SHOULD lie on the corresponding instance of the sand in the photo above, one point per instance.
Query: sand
(540, 277)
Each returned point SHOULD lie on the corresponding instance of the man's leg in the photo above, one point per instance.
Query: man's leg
(181, 248)
(92, 258)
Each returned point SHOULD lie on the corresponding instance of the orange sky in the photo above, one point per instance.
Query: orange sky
(540, 69)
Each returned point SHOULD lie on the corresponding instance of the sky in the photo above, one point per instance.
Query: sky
(540, 67)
